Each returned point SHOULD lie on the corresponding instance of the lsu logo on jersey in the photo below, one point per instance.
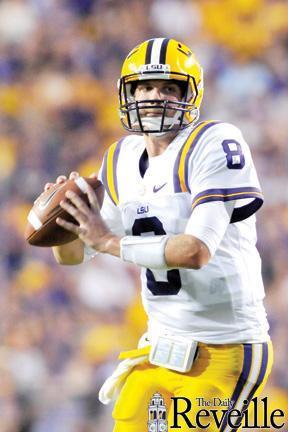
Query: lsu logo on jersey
(142, 209)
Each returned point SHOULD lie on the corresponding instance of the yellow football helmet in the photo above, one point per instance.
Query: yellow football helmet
(163, 59)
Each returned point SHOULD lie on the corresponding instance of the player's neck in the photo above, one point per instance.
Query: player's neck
(157, 145)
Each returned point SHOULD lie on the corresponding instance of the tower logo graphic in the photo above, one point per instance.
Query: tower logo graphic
(157, 418)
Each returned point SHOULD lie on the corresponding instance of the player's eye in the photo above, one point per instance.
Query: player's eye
(145, 88)
(171, 89)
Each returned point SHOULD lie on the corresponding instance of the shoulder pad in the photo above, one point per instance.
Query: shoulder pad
(182, 161)
(109, 176)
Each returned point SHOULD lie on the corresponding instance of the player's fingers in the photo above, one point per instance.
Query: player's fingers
(69, 226)
(48, 186)
(93, 175)
(92, 198)
(74, 211)
(61, 179)
(77, 201)
(73, 175)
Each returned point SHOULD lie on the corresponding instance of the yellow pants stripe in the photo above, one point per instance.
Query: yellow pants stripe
(255, 366)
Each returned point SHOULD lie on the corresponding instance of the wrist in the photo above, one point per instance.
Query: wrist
(146, 252)
(110, 244)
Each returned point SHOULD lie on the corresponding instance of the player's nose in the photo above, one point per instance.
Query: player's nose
(156, 93)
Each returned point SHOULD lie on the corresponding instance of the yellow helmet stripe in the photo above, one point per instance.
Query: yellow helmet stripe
(181, 165)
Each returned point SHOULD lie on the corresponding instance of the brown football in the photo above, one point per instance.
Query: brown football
(41, 228)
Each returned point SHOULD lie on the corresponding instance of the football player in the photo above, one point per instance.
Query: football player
(180, 202)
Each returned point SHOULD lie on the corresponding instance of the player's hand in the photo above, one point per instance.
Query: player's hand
(61, 179)
(92, 229)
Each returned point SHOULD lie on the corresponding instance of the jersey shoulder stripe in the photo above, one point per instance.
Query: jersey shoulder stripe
(180, 174)
(226, 194)
(109, 175)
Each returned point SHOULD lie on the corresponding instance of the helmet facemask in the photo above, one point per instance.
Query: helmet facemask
(185, 110)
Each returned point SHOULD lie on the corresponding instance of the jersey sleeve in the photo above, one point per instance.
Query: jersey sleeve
(109, 211)
(108, 171)
(221, 169)
(209, 223)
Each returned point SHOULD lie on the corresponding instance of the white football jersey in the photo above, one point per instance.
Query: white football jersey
(223, 301)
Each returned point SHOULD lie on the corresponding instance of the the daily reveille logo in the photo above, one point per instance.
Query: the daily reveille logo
(212, 412)
(157, 415)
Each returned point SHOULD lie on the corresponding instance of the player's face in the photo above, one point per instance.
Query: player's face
(155, 91)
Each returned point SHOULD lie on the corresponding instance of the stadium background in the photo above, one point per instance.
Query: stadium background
(61, 328)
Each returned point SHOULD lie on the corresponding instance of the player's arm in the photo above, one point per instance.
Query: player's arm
(192, 249)
(69, 254)
(186, 251)
(181, 250)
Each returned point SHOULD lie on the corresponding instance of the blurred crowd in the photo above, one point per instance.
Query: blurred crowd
(62, 328)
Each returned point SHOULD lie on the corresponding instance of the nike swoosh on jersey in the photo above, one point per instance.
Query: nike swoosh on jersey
(157, 188)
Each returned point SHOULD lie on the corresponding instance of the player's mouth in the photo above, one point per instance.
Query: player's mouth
(153, 114)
